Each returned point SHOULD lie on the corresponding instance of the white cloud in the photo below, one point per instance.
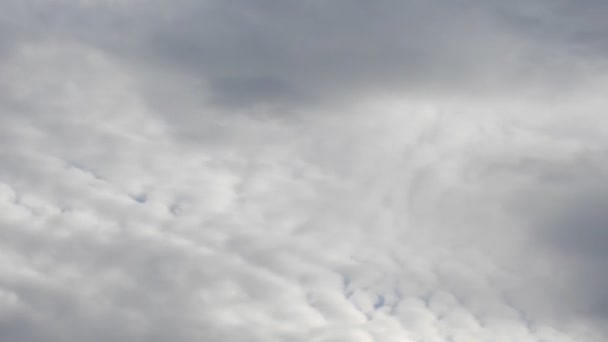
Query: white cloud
(427, 217)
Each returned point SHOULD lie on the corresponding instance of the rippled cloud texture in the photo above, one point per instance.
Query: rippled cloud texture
(331, 171)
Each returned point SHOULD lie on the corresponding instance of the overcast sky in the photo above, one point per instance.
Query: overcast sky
(303, 170)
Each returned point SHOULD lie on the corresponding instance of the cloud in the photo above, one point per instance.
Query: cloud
(260, 52)
(347, 171)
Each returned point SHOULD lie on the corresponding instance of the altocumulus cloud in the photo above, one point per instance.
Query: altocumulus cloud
(303, 170)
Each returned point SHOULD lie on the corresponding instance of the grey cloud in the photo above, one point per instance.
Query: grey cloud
(264, 52)
(556, 199)
(369, 216)
(317, 50)
(566, 206)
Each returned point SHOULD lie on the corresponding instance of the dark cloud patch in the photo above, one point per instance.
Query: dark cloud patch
(577, 24)
(581, 227)
(317, 51)
(565, 207)
(577, 234)
(264, 52)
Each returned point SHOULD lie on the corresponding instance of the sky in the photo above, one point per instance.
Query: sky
(303, 170)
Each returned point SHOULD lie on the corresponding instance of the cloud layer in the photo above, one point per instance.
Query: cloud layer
(303, 171)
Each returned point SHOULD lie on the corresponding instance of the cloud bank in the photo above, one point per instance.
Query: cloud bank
(303, 171)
